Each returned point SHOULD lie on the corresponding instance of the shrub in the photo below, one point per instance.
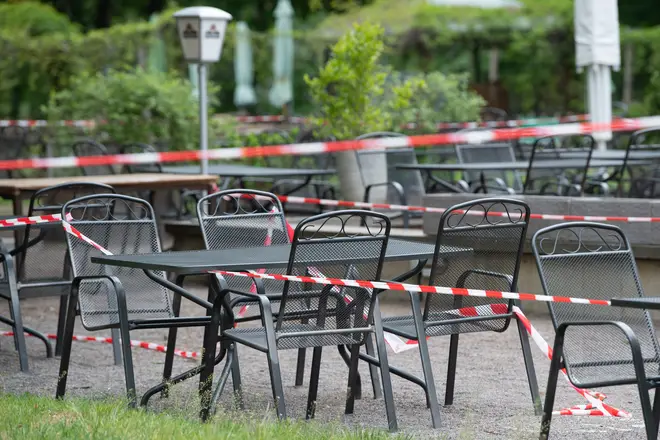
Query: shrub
(132, 106)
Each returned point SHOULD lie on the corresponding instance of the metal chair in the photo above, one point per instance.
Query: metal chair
(236, 219)
(179, 207)
(400, 186)
(42, 261)
(316, 188)
(89, 147)
(638, 180)
(13, 141)
(108, 297)
(493, 250)
(598, 346)
(559, 182)
(319, 317)
(502, 182)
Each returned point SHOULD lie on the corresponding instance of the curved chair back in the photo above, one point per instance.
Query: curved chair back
(40, 254)
(89, 147)
(321, 244)
(378, 168)
(492, 250)
(559, 181)
(140, 148)
(235, 219)
(591, 260)
(122, 225)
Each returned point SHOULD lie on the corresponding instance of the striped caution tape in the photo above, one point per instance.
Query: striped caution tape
(470, 137)
(404, 287)
(412, 208)
(134, 343)
(595, 399)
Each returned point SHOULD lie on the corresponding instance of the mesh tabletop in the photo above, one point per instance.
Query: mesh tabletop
(648, 302)
(518, 165)
(261, 258)
(230, 170)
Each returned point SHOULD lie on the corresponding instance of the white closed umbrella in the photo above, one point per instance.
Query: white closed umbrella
(243, 71)
(597, 49)
(281, 93)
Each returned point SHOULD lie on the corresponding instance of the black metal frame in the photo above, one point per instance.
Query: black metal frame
(125, 325)
(563, 188)
(102, 151)
(651, 413)
(396, 186)
(272, 323)
(482, 184)
(14, 261)
(619, 175)
(421, 322)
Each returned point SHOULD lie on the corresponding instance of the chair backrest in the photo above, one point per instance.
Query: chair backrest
(633, 177)
(242, 218)
(493, 247)
(559, 181)
(12, 141)
(322, 243)
(591, 260)
(380, 166)
(122, 225)
(490, 153)
(89, 147)
(42, 255)
(140, 148)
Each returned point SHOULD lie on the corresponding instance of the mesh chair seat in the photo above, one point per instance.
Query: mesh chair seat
(256, 337)
(404, 326)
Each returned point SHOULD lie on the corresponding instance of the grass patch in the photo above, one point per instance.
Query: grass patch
(30, 417)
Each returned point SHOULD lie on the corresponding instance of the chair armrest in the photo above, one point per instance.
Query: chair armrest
(625, 329)
(461, 280)
(265, 308)
(394, 184)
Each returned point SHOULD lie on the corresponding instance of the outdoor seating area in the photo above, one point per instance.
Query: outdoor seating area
(351, 219)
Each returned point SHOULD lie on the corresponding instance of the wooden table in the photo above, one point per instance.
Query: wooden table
(19, 189)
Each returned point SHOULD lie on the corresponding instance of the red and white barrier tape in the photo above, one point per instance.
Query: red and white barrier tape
(36, 219)
(134, 343)
(411, 208)
(594, 399)
(29, 123)
(404, 287)
(474, 137)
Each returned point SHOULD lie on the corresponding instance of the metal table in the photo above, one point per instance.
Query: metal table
(647, 302)
(230, 172)
(198, 262)
(556, 164)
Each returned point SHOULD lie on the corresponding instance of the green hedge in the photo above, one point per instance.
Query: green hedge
(44, 53)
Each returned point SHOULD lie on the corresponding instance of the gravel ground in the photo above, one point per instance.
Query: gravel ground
(491, 398)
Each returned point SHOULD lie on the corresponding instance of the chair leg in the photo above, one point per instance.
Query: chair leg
(276, 378)
(236, 377)
(388, 394)
(451, 370)
(300, 367)
(529, 368)
(127, 357)
(431, 393)
(208, 357)
(222, 381)
(117, 346)
(352, 374)
(373, 370)
(67, 341)
(552, 386)
(647, 410)
(314, 382)
(61, 320)
(19, 332)
(171, 344)
(656, 408)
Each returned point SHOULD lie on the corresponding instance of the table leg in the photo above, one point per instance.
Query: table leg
(17, 206)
